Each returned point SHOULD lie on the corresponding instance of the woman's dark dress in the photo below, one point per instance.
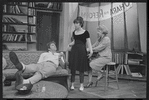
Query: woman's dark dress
(78, 59)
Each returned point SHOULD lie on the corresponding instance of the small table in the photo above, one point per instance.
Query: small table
(53, 90)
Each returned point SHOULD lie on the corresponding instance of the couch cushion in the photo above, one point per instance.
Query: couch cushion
(10, 73)
(27, 57)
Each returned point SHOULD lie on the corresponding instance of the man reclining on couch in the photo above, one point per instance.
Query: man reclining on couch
(46, 66)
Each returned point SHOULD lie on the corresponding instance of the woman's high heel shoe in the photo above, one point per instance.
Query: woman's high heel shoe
(88, 85)
(96, 82)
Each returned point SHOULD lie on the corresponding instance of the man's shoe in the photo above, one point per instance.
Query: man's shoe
(19, 78)
(14, 59)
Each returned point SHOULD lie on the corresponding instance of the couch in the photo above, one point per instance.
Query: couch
(27, 57)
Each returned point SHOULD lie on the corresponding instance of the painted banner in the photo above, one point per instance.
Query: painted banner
(103, 12)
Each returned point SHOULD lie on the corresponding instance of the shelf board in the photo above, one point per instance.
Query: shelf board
(14, 32)
(135, 59)
(16, 23)
(31, 15)
(30, 33)
(137, 64)
(15, 14)
(14, 41)
(51, 9)
(18, 5)
(31, 24)
(31, 42)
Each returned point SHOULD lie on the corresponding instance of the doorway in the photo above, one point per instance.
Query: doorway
(47, 29)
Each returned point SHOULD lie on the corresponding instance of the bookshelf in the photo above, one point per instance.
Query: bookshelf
(54, 6)
(136, 61)
(18, 25)
(131, 62)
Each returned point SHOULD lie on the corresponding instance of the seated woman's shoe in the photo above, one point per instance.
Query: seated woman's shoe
(89, 85)
(14, 59)
(98, 79)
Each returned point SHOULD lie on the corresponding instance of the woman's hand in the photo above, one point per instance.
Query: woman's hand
(69, 48)
(61, 54)
(90, 54)
(87, 49)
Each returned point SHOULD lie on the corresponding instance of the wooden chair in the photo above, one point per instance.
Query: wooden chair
(106, 70)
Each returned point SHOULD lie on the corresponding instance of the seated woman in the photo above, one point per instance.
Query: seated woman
(103, 48)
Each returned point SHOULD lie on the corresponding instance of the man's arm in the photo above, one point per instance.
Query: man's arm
(62, 60)
(40, 58)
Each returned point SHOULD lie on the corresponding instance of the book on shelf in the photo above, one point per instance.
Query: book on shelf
(14, 9)
(118, 58)
(136, 75)
(18, 36)
(31, 4)
(9, 28)
(31, 11)
(24, 3)
(21, 38)
(59, 6)
(16, 20)
(4, 8)
(4, 37)
(55, 5)
(50, 5)
(32, 29)
(23, 10)
(6, 19)
(3, 28)
(18, 3)
(41, 4)
(11, 20)
(28, 38)
(134, 61)
(33, 38)
(32, 20)
(13, 37)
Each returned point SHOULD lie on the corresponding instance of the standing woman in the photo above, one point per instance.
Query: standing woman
(78, 55)
(103, 48)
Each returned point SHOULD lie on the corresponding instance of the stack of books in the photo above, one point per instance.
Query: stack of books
(11, 20)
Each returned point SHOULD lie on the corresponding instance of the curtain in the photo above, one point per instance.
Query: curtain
(123, 28)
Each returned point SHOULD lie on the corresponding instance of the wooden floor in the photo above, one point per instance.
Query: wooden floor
(128, 89)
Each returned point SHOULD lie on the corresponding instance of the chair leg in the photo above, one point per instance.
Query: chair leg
(105, 88)
(116, 77)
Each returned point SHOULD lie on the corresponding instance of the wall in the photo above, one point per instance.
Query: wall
(142, 26)
(66, 25)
